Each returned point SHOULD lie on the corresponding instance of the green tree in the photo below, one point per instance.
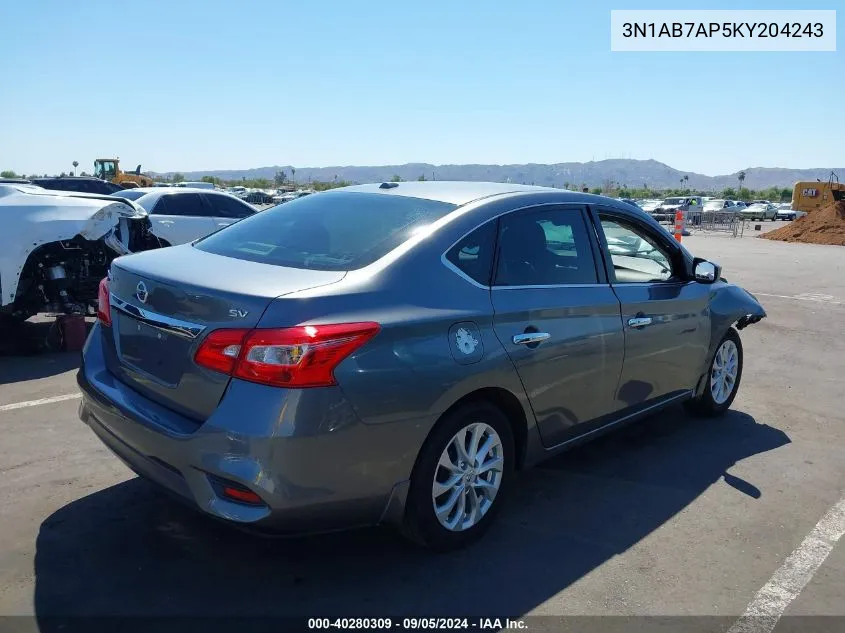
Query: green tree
(280, 178)
(421, 178)
(741, 178)
(596, 190)
(745, 194)
(8, 173)
(728, 192)
(212, 179)
(785, 194)
(396, 178)
(323, 186)
(177, 177)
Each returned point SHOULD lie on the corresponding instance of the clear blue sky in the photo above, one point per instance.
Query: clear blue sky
(184, 85)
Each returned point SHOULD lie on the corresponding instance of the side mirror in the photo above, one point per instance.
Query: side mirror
(706, 272)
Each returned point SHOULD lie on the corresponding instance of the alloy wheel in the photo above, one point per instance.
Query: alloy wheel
(468, 477)
(724, 372)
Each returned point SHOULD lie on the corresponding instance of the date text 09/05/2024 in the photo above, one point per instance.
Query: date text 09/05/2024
(416, 624)
(725, 29)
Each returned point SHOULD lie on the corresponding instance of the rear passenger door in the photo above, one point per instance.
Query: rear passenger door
(226, 209)
(557, 317)
(181, 217)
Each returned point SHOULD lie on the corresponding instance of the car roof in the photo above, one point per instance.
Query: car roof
(144, 189)
(454, 192)
(157, 192)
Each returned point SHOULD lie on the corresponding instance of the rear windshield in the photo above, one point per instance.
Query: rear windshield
(129, 194)
(336, 230)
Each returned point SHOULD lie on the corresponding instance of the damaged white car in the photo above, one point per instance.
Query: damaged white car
(56, 246)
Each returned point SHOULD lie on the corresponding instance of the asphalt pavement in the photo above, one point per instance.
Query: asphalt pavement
(672, 517)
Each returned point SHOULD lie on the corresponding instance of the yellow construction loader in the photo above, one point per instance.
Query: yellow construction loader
(109, 169)
(808, 196)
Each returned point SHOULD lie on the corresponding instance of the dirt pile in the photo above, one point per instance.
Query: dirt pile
(825, 226)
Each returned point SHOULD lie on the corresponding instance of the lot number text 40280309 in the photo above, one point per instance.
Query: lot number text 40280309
(416, 624)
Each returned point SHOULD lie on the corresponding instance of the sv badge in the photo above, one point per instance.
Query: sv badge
(238, 314)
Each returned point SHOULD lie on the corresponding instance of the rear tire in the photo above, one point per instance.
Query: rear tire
(723, 377)
(467, 486)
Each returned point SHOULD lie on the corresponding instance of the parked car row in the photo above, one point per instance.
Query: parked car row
(699, 208)
(538, 318)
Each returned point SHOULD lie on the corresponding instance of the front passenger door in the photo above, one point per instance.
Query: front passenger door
(667, 331)
(558, 318)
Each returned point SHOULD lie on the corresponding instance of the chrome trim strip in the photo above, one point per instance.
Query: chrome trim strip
(657, 405)
(178, 327)
(445, 261)
(550, 286)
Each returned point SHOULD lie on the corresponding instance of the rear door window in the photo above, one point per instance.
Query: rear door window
(181, 204)
(224, 206)
(544, 247)
(335, 230)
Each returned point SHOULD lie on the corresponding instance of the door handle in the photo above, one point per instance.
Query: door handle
(639, 321)
(531, 337)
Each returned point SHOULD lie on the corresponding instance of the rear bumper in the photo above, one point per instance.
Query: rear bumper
(323, 473)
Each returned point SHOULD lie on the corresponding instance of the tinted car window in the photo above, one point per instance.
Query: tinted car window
(544, 247)
(337, 230)
(180, 204)
(473, 255)
(224, 206)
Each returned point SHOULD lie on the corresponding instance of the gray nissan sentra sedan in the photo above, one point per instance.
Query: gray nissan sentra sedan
(393, 353)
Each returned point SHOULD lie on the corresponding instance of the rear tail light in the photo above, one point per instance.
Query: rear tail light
(304, 356)
(103, 304)
(220, 350)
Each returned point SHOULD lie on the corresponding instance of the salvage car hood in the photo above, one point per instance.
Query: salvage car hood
(32, 216)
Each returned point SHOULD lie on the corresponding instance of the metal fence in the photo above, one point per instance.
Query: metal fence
(725, 221)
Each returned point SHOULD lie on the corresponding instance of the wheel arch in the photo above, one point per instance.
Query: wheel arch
(504, 400)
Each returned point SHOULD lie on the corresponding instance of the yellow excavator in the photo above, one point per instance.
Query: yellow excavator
(808, 196)
(109, 169)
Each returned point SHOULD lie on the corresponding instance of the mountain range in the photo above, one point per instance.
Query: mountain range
(633, 173)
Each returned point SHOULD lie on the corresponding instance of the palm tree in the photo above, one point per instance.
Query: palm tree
(293, 174)
(741, 177)
(75, 165)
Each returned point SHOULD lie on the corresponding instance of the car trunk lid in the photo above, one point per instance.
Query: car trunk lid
(164, 303)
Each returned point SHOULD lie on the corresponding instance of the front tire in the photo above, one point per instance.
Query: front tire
(722, 379)
(458, 483)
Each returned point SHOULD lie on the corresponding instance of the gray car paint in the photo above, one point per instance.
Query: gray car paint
(341, 456)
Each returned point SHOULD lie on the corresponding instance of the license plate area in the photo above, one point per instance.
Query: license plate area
(159, 354)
